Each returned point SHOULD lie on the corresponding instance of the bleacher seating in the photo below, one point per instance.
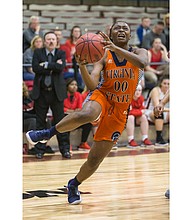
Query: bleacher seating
(75, 137)
(51, 7)
(91, 18)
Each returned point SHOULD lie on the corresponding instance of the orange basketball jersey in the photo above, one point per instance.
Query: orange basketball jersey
(119, 80)
(114, 93)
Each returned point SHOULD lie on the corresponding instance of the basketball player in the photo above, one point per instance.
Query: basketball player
(157, 112)
(109, 101)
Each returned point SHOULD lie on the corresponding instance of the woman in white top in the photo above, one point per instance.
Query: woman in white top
(156, 94)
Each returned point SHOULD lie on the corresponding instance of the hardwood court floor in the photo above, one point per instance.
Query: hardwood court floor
(129, 185)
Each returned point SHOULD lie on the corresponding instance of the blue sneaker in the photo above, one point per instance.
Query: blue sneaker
(74, 197)
(167, 194)
(38, 136)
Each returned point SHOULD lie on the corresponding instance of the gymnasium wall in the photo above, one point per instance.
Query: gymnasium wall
(138, 3)
(91, 15)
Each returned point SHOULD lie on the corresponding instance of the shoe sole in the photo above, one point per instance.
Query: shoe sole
(32, 142)
(167, 194)
(144, 145)
(161, 145)
(133, 147)
(76, 202)
(29, 139)
(83, 149)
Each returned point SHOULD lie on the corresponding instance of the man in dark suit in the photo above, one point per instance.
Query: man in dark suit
(49, 90)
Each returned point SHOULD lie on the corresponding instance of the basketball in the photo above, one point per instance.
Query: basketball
(90, 47)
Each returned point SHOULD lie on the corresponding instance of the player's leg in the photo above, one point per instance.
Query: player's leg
(90, 111)
(98, 152)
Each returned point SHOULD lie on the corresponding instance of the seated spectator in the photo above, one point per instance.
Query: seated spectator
(76, 32)
(143, 29)
(137, 117)
(29, 119)
(69, 45)
(69, 70)
(156, 32)
(167, 30)
(28, 74)
(142, 80)
(62, 46)
(156, 94)
(32, 30)
(156, 54)
(74, 103)
(29, 115)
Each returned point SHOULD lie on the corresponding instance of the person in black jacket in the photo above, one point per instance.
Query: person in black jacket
(49, 90)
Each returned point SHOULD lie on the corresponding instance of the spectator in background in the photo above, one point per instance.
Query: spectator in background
(137, 117)
(143, 29)
(29, 114)
(158, 110)
(74, 103)
(167, 30)
(156, 32)
(28, 73)
(157, 53)
(156, 94)
(71, 42)
(68, 70)
(29, 118)
(32, 30)
(142, 80)
(62, 46)
(49, 90)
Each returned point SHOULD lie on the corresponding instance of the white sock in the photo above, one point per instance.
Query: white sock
(130, 138)
(144, 137)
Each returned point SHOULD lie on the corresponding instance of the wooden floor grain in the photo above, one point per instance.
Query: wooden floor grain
(129, 187)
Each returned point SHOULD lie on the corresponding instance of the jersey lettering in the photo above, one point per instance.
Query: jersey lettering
(120, 73)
